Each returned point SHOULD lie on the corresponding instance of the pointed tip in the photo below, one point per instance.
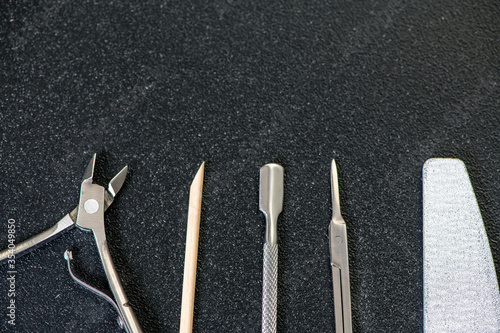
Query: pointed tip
(116, 183)
(201, 170)
(89, 171)
(202, 167)
(336, 215)
(334, 171)
(198, 178)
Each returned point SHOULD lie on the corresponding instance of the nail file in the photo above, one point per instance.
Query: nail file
(460, 286)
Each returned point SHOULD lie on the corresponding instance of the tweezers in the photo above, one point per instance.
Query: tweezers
(339, 261)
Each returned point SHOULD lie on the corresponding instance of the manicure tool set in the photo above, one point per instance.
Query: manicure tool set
(460, 285)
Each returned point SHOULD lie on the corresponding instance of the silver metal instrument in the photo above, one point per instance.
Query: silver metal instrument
(89, 216)
(271, 204)
(339, 261)
(460, 284)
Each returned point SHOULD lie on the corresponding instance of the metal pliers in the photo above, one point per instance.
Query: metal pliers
(89, 216)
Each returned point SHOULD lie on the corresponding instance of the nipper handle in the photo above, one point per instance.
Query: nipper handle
(126, 312)
(30, 244)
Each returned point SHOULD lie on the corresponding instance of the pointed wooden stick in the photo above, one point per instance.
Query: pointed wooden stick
(192, 236)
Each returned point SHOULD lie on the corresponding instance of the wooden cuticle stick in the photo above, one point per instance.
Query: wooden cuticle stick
(190, 262)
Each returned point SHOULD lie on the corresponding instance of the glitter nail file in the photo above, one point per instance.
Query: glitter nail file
(460, 286)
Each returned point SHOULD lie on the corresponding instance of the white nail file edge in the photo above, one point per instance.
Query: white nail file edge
(460, 286)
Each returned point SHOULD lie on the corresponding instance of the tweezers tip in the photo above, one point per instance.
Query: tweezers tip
(333, 171)
(335, 192)
(334, 164)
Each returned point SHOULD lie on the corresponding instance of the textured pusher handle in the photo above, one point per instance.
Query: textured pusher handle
(270, 288)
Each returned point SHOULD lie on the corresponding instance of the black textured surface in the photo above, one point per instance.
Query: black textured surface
(379, 85)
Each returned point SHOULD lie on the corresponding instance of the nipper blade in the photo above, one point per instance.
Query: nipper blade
(116, 183)
(89, 171)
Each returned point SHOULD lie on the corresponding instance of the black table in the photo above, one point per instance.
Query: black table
(381, 86)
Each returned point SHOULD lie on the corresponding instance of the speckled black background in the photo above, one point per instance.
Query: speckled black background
(380, 86)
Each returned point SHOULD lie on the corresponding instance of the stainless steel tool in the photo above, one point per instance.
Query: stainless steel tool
(89, 216)
(460, 284)
(271, 204)
(339, 261)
